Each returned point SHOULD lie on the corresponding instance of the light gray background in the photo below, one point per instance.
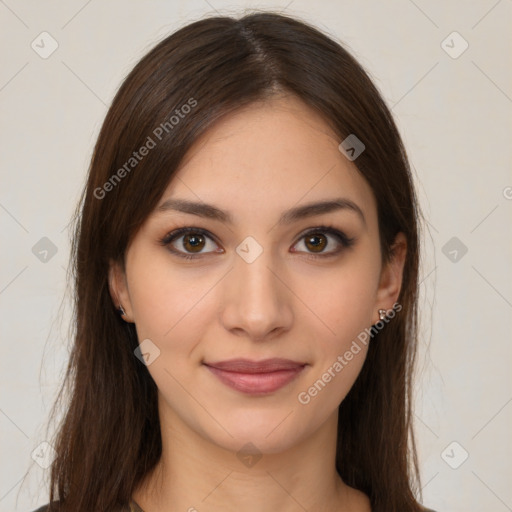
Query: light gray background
(454, 112)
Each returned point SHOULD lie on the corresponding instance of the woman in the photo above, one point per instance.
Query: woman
(246, 271)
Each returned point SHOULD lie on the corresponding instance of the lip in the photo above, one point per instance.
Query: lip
(256, 377)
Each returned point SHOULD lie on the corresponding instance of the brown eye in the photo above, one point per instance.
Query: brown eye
(193, 243)
(190, 242)
(323, 241)
(316, 242)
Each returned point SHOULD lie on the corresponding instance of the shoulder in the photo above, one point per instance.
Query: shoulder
(46, 508)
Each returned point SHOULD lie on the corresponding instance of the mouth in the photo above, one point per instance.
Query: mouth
(256, 377)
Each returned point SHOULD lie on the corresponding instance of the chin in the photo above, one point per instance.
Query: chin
(269, 433)
(252, 442)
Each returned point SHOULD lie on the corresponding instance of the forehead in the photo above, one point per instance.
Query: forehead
(268, 157)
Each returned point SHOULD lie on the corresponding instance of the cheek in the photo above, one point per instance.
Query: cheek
(167, 302)
(344, 299)
(343, 302)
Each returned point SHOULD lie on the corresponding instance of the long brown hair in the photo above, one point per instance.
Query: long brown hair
(109, 437)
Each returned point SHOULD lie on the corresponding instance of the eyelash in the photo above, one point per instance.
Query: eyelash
(343, 239)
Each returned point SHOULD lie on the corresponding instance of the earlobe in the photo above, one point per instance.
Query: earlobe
(392, 274)
(119, 290)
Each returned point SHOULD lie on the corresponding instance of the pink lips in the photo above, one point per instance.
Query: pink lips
(256, 377)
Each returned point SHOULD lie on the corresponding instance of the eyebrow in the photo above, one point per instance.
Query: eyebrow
(289, 216)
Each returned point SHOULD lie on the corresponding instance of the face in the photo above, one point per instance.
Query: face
(258, 275)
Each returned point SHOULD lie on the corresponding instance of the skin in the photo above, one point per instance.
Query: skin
(256, 164)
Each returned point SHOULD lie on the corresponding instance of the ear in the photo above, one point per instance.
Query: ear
(391, 276)
(118, 288)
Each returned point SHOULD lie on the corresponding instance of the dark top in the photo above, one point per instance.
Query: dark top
(134, 507)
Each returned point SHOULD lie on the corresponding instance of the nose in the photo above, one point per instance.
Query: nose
(257, 303)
